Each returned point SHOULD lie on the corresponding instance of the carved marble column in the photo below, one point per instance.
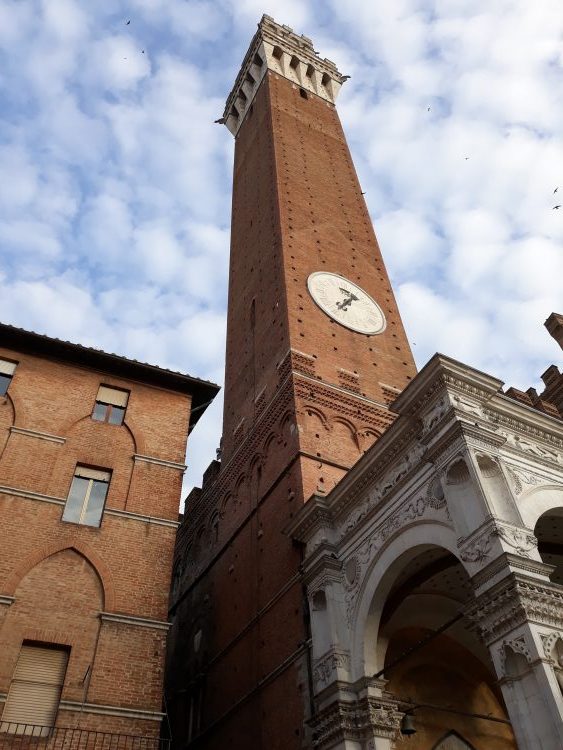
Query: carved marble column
(520, 618)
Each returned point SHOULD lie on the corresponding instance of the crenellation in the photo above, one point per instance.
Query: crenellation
(278, 49)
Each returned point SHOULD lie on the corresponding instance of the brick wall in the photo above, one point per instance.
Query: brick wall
(56, 578)
(293, 424)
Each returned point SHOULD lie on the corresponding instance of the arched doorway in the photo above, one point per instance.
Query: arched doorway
(549, 533)
(446, 678)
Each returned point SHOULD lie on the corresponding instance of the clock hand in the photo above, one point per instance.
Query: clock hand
(348, 301)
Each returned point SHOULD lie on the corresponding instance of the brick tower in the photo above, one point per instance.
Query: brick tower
(315, 353)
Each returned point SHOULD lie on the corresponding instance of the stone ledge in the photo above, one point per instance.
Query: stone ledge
(142, 622)
(38, 496)
(29, 495)
(37, 434)
(96, 708)
(141, 517)
(159, 462)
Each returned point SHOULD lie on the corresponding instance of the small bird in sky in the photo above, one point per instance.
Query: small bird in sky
(556, 207)
(128, 22)
(466, 158)
(142, 52)
(556, 189)
(428, 110)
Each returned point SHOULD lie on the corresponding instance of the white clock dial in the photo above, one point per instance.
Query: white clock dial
(346, 303)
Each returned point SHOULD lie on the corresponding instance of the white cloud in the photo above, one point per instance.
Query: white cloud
(117, 63)
(115, 190)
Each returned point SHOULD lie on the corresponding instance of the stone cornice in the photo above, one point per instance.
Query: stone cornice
(314, 515)
(123, 711)
(159, 462)
(37, 434)
(141, 622)
(439, 373)
(279, 49)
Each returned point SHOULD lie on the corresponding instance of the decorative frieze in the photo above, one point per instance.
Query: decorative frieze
(358, 721)
(326, 669)
(521, 479)
(356, 565)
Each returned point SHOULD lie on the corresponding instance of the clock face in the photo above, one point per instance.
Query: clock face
(346, 303)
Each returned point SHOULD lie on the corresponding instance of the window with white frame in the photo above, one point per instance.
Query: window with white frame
(7, 370)
(87, 496)
(110, 405)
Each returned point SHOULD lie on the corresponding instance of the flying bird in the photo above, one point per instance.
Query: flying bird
(556, 189)
(466, 158)
(428, 110)
(142, 52)
(556, 207)
(128, 22)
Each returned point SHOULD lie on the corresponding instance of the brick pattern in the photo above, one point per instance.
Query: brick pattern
(297, 208)
(64, 575)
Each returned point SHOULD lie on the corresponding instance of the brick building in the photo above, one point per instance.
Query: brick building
(92, 450)
(378, 553)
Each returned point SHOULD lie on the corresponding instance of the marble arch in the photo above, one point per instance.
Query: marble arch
(539, 500)
(382, 572)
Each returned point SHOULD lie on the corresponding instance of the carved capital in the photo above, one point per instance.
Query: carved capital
(358, 721)
(514, 601)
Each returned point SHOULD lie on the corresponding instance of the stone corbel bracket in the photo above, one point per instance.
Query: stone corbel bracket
(279, 49)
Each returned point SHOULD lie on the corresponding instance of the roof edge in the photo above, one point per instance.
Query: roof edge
(202, 391)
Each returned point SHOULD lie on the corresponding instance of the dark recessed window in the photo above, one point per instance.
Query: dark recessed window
(7, 370)
(303, 93)
(87, 496)
(110, 405)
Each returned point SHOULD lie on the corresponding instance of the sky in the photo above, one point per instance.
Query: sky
(115, 182)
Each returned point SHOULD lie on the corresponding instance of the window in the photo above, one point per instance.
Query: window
(110, 405)
(7, 370)
(33, 698)
(85, 502)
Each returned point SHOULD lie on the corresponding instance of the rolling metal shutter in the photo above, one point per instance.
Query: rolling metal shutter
(33, 698)
(112, 396)
(6, 367)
